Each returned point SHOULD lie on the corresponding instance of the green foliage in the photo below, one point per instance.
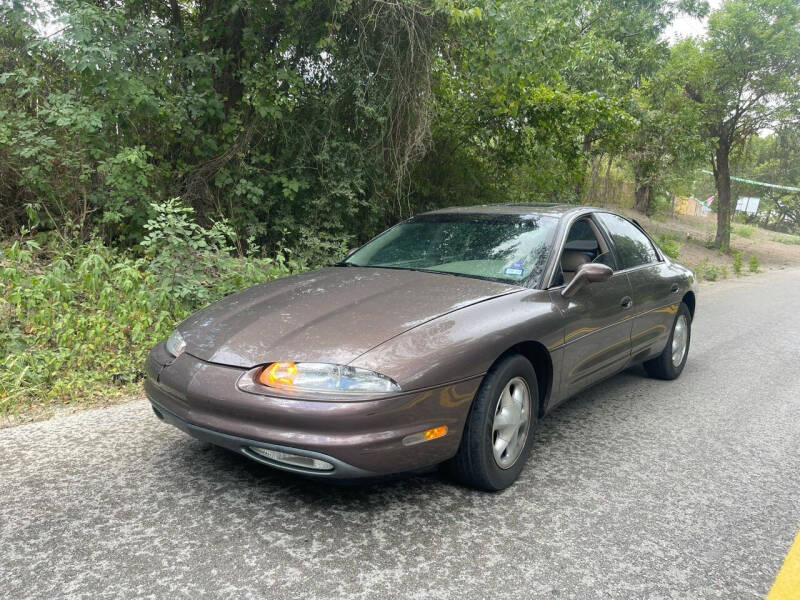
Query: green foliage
(295, 130)
(298, 117)
(660, 207)
(670, 245)
(743, 79)
(667, 141)
(753, 264)
(79, 318)
(706, 271)
(279, 117)
(773, 158)
(192, 264)
(710, 272)
(738, 262)
(74, 318)
(788, 239)
(745, 231)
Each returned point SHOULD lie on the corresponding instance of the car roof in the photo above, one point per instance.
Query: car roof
(516, 208)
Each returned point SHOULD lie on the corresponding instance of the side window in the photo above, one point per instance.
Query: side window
(583, 245)
(581, 232)
(633, 247)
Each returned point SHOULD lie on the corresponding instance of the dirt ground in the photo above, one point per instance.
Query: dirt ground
(43, 412)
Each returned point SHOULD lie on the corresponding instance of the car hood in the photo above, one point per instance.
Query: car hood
(332, 315)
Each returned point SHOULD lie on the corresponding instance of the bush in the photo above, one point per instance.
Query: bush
(737, 262)
(710, 273)
(74, 318)
(706, 271)
(194, 265)
(77, 319)
(753, 264)
(659, 207)
(670, 246)
(316, 248)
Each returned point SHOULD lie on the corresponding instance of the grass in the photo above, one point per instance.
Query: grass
(788, 239)
(745, 231)
(738, 262)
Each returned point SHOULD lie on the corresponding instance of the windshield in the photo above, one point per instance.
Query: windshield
(496, 247)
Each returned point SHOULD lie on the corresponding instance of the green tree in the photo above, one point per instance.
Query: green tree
(285, 118)
(532, 90)
(775, 158)
(667, 142)
(743, 77)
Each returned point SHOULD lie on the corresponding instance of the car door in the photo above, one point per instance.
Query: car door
(654, 290)
(597, 328)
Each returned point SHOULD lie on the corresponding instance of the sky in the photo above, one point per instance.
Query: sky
(685, 26)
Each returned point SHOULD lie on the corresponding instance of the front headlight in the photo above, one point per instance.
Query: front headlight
(175, 344)
(321, 377)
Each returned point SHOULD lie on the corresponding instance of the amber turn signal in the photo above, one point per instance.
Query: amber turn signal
(436, 432)
(425, 436)
(282, 373)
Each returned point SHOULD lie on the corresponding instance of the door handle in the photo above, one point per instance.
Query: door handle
(626, 302)
(675, 288)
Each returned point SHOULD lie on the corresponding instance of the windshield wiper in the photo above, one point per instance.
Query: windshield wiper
(433, 271)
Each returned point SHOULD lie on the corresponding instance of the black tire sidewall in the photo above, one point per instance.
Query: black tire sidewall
(662, 367)
(488, 397)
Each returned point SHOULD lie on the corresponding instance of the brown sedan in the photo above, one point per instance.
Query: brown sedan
(442, 340)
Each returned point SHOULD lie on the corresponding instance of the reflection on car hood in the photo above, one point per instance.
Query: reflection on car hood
(331, 315)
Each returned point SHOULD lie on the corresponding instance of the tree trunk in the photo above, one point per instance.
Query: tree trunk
(722, 179)
(593, 179)
(177, 17)
(608, 176)
(642, 198)
(580, 185)
(642, 192)
(229, 42)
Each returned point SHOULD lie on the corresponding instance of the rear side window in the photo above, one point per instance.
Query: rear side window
(633, 247)
(581, 232)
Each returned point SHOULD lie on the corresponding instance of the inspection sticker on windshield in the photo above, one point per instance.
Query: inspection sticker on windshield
(515, 269)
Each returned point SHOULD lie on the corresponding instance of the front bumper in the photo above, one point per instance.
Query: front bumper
(341, 470)
(359, 438)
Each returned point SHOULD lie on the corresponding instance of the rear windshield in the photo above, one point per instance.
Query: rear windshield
(499, 248)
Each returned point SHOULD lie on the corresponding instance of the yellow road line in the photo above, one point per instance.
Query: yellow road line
(787, 583)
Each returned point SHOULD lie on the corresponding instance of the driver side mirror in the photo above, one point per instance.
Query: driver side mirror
(586, 273)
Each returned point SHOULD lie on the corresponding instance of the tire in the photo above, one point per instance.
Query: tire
(663, 366)
(475, 464)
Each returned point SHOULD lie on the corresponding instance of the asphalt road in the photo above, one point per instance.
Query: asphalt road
(637, 489)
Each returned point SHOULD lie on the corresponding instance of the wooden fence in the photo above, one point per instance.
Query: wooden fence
(609, 191)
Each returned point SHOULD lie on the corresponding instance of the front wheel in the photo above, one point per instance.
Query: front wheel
(498, 433)
(669, 364)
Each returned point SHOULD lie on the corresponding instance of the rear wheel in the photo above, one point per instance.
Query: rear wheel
(498, 433)
(669, 364)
